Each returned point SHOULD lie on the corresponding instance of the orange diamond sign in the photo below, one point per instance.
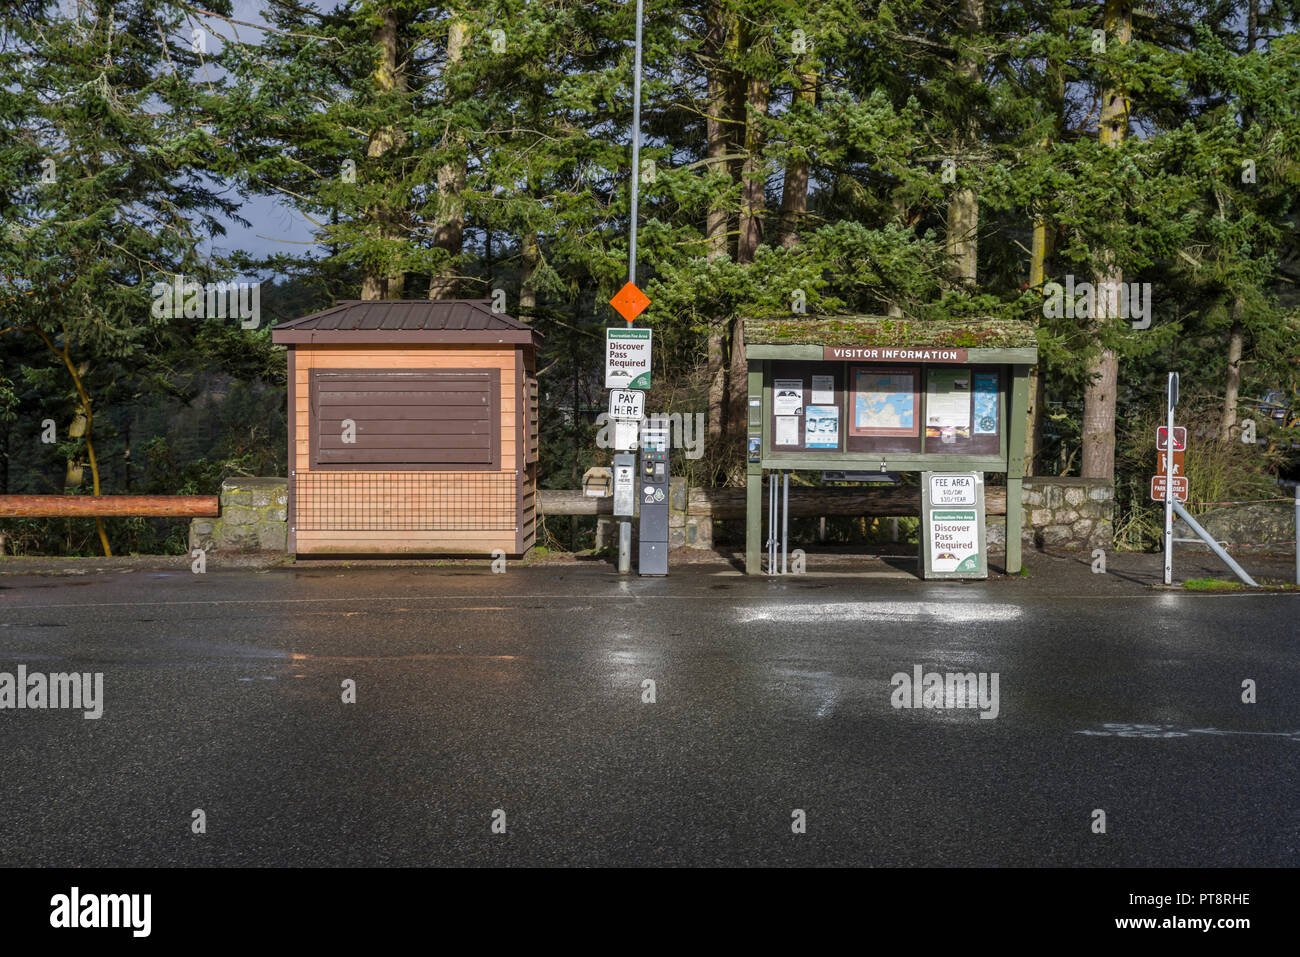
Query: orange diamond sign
(630, 301)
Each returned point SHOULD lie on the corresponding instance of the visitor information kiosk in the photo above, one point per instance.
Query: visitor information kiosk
(862, 393)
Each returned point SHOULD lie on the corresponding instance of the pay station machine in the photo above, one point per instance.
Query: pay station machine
(652, 496)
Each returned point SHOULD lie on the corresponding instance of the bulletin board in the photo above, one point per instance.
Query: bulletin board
(871, 408)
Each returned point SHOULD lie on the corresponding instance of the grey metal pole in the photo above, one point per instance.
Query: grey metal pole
(625, 525)
(636, 149)
(785, 521)
(624, 546)
(1215, 546)
(1169, 485)
(771, 523)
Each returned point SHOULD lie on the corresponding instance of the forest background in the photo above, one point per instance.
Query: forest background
(910, 158)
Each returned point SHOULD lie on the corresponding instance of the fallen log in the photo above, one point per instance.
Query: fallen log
(805, 502)
(109, 506)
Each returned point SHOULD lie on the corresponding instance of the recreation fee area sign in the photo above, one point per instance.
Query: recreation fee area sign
(627, 358)
(952, 539)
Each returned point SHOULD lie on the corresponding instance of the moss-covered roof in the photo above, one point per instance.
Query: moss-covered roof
(887, 331)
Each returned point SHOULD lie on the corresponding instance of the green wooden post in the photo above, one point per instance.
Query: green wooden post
(1016, 463)
(753, 475)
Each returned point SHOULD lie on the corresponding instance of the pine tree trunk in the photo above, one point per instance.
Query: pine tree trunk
(717, 217)
(1098, 460)
(961, 238)
(752, 205)
(794, 191)
(530, 256)
(738, 383)
(381, 280)
(1040, 252)
(449, 222)
(753, 187)
(1237, 334)
(893, 308)
(1232, 387)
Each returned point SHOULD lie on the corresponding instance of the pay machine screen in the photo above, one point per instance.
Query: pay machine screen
(654, 464)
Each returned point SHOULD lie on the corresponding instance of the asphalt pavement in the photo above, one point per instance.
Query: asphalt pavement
(521, 700)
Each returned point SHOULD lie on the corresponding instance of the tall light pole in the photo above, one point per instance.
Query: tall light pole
(636, 150)
(625, 522)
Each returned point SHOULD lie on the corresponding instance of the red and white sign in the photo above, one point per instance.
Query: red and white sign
(1158, 488)
(1162, 438)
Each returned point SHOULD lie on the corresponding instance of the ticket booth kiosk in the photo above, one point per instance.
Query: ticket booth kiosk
(412, 429)
(858, 393)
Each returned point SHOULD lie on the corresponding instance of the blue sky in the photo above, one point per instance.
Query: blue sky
(274, 227)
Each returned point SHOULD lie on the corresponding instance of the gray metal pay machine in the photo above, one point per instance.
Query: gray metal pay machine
(652, 496)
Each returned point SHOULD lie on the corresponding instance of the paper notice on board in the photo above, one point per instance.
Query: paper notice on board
(787, 430)
(823, 390)
(986, 403)
(822, 430)
(947, 400)
(787, 396)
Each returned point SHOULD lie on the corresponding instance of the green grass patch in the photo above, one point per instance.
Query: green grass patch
(1211, 584)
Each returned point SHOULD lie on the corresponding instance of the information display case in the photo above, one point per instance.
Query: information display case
(886, 394)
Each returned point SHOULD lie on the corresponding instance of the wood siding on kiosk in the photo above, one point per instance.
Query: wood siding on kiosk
(444, 493)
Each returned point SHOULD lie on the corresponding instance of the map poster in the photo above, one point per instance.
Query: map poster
(986, 403)
(947, 399)
(884, 402)
(822, 427)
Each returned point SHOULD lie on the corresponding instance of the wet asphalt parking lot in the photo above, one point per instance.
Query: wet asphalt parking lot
(525, 693)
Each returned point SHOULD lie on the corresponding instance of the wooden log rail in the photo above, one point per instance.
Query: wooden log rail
(109, 506)
(805, 502)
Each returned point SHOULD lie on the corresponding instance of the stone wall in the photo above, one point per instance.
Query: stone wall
(254, 513)
(684, 529)
(1058, 513)
(1068, 512)
(1265, 527)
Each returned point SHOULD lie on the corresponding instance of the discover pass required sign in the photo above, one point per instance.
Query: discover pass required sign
(627, 358)
(952, 525)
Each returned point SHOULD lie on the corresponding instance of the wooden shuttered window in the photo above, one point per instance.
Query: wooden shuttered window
(531, 421)
(443, 419)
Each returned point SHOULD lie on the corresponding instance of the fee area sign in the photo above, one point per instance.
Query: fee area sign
(627, 358)
(952, 520)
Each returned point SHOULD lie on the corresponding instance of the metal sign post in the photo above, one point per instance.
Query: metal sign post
(629, 301)
(636, 149)
(1171, 401)
(624, 506)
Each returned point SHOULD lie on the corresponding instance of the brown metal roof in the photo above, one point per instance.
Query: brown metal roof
(407, 320)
